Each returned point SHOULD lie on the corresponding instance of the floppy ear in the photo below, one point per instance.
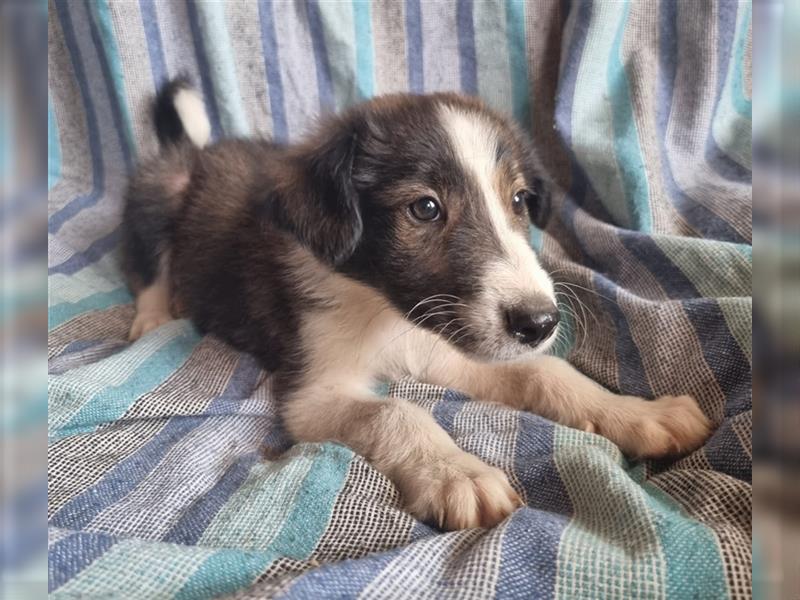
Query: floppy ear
(539, 203)
(319, 204)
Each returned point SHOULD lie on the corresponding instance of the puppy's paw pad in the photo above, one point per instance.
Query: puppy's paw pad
(668, 426)
(462, 494)
(682, 422)
(145, 323)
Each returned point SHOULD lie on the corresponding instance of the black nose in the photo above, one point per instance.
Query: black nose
(531, 326)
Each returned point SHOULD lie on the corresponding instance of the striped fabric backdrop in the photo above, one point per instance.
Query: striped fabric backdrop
(169, 473)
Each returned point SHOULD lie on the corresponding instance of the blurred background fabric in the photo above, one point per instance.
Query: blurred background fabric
(169, 473)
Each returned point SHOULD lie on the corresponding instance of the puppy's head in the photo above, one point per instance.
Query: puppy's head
(428, 200)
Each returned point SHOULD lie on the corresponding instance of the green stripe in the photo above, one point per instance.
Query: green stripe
(112, 402)
(100, 13)
(314, 502)
(135, 569)
(60, 313)
(491, 55)
(627, 538)
(626, 140)
(518, 62)
(610, 548)
(223, 573)
(365, 55)
(716, 269)
(732, 126)
(738, 313)
(293, 499)
(741, 103)
(339, 30)
(217, 44)
(694, 567)
(270, 489)
(593, 127)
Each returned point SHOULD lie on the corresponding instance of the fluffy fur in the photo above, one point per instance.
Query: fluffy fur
(313, 257)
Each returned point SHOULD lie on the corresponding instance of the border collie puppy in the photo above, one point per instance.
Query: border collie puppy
(392, 242)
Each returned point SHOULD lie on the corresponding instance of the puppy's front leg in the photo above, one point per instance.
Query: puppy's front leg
(553, 388)
(438, 481)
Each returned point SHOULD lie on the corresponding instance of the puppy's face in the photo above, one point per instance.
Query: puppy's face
(437, 212)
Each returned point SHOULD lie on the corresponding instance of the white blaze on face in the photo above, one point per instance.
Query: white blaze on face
(515, 275)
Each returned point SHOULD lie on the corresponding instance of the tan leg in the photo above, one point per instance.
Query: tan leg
(551, 387)
(438, 481)
(152, 304)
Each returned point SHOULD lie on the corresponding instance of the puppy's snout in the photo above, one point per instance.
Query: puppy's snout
(531, 325)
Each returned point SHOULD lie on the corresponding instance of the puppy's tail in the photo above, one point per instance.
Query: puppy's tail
(179, 114)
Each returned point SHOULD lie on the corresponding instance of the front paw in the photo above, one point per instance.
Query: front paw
(667, 426)
(145, 322)
(458, 491)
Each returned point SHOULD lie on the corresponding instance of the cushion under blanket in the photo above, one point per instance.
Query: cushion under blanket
(169, 473)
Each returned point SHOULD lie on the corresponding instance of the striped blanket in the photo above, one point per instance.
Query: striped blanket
(169, 473)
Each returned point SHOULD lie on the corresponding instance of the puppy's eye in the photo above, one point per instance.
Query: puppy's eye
(425, 209)
(521, 198)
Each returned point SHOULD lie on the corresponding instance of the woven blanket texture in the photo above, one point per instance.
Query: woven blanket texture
(169, 473)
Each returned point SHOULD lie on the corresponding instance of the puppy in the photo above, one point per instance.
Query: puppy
(392, 242)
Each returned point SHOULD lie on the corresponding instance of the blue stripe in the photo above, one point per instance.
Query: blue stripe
(698, 216)
(96, 250)
(323, 67)
(60, 313)
(77, 204)
(722, 353)
(344, 579)
(725, 453)
(518, 62)
(205, 68)
(445, 411)
(626, 138)
(6, 156)
(580, 191)
(416, 69)
(720, 349)
(129, 472)
(53, 148)
(23, 504)
(534, 466)
(529, 554)
(726, 30)
(532, 537)
(630, 369)
(108, 57)
(80, 346)
(193, 523)
(669, 276)
(269, 46)
(466, 47)
(68, 557)
(155, 48)
(365, 55)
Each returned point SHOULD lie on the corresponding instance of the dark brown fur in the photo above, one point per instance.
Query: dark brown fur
(231, 214)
